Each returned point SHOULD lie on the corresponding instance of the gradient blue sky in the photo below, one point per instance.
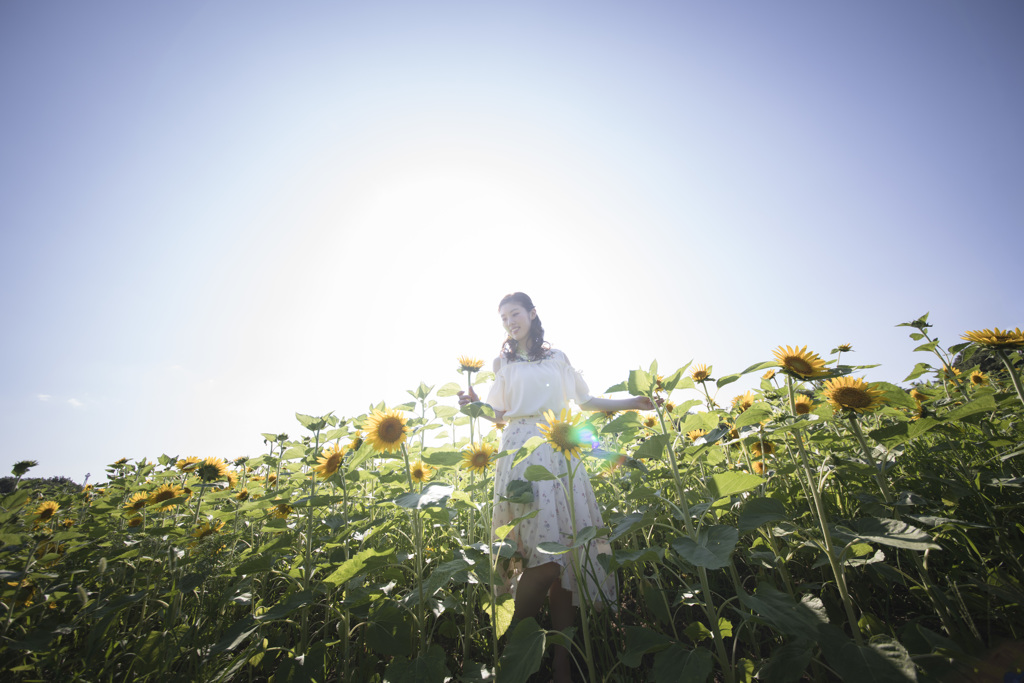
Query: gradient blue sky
(217, 214)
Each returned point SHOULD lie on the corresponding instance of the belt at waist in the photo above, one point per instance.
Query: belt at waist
(527, 418)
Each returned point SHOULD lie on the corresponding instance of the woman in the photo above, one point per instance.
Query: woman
(531, 378)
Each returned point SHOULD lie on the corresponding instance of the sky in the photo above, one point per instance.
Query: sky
(216, 215)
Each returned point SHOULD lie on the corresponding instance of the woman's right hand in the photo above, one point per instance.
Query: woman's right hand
(465, 399)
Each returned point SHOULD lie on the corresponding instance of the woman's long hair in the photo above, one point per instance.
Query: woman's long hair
(538, 347)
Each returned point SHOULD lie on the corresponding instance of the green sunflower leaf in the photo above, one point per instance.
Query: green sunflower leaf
(434, 494)
(477, 409)
(640, 383)
(678, 664)
(449, 389)
(730, 483)
(522, 655)
(711, 549)
(539, 473)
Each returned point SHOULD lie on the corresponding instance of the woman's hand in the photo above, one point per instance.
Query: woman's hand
(644, 403)
(465, 399)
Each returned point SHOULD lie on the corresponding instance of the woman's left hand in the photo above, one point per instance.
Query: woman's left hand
(644, 403)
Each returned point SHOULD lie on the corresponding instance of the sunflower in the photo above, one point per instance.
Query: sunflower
(695, 434)
(847, 393)
(979, 378)
(187, 464)
(799, 361)
(759, 468)
(918, 396)
(208, 529)
(357, 441)
(952, 373)
(282, 509)
(467, 364)
(743, 402)
(46, 510)
(271, 478)
(701, 373)
(843, 348)
(232, 478)
(803, 404)
(240, 461)
(561, 433)
(659, 382)
(386, 430)
(212, 469)
(135, 521)
(242, 495)
(68, 523)
(23, 466)
(477, 457)
(669, 407)
(122, 461)
(769, 374)
(23, 594)
(650, 421)
(329, 461)
(1000, 339)
(165, 493)
(762, 448)
(421, 471)
(137, 501)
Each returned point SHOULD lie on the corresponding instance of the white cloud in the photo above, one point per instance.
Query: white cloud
(43, 397)
(75, 403)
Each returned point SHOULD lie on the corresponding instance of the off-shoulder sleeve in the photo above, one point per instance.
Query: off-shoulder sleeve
(496, 396)
(576, 388)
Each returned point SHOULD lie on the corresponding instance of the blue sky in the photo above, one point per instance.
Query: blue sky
(217, 214)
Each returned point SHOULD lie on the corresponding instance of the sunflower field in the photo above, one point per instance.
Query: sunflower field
(820, 527)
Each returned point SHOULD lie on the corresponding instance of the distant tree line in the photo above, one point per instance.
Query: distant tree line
(49, 486)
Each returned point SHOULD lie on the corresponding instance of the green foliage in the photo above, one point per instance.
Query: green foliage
(888, 554)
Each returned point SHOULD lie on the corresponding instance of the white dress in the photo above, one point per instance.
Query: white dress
(523, 390)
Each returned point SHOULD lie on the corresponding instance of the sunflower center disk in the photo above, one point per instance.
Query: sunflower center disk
(390, 430)
(851, 397)
(799, 365)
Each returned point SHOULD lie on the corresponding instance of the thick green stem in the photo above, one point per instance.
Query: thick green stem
(880, 478)
(819, 510)
(708, 602)
(308, 560)
(408, 469)
(883, 483)
(1014, 377)
(421, 616)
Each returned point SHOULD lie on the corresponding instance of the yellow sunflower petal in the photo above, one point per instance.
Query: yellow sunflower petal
(562, 433)
(477, 457)
(700, 373)
(799, 361)
(996, 337)
(329, 461)
(467, 364)
(386, 430)
(848, 393)
(421, 471)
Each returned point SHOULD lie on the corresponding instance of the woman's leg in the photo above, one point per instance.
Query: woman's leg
(563, 615)
(533, 589)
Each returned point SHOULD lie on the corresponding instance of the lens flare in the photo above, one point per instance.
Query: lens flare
(608, 460)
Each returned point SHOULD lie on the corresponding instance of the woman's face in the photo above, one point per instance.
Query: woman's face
(517, 320)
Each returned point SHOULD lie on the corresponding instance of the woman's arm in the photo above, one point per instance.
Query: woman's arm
(472, 397)
(609, 404)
